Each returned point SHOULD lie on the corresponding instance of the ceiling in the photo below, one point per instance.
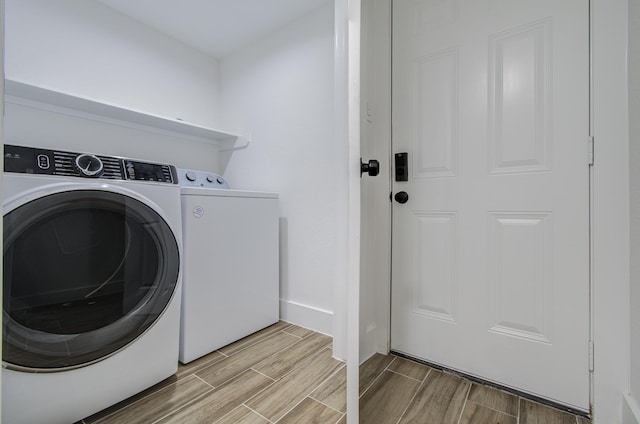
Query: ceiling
(215, 27)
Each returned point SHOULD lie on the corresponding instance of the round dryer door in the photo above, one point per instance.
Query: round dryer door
(85, 273)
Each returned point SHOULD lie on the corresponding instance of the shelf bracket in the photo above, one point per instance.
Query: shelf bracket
(240, 143)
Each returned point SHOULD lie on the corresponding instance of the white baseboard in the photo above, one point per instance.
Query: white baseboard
(307, 316)
(630, 411)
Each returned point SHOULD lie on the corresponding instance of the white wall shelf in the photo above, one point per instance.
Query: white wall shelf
(43, 98)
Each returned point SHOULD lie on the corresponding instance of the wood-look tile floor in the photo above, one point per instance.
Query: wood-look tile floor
(285, 374)
(399, 391)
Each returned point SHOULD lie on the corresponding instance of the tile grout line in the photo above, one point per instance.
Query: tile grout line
(376, 379)
(289, 410)
(325, 380)
(251, 367)
(193, 400)
(328, 346)
(284, 330)
(389, 364)
(493, 409)
(464, 405)
(411, 378)
(323, 404)
(258, 414)
(227, 414)
(331, 375)
(308, 395)
(256, 394)
(255, 370)
(307, 359)
(294, 335)
(422, 383)
(535, 402)
(205, 382)
(298, 363)
(275, 381)
(428, 373)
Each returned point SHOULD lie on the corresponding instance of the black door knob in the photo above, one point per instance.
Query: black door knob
(372, 167)
(401, 197)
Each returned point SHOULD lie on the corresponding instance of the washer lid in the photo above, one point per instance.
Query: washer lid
(199, 191)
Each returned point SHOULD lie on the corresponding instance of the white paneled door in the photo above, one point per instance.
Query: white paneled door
(491, 249)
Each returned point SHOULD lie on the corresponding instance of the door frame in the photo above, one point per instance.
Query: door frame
(610, 262)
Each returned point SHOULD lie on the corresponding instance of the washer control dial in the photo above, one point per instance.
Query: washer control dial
(88, 165)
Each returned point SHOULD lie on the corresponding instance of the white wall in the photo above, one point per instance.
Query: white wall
(86, 49)
(633, 400)
(281, 90)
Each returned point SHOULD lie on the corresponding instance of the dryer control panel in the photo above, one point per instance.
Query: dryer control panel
(30, 160)
(195, 178)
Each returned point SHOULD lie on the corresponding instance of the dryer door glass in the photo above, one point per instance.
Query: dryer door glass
(85, 273)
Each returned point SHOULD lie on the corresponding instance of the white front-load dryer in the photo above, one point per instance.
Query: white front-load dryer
(91, 282)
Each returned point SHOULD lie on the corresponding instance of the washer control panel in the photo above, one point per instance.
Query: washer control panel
(195, 178)
(29, 160)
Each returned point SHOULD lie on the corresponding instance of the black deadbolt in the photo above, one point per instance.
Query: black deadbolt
(402, 167)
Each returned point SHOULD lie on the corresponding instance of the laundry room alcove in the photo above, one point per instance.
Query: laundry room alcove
(97, 76)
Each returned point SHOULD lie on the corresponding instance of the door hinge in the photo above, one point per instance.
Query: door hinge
(591, 355)
(591, 147)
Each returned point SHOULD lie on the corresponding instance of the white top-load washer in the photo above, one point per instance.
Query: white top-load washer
(92, 282)
(230, 263)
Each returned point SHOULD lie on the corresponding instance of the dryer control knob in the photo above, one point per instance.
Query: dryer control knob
(191, 176)
(210, 178)
(220, 180)
(88, 165)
